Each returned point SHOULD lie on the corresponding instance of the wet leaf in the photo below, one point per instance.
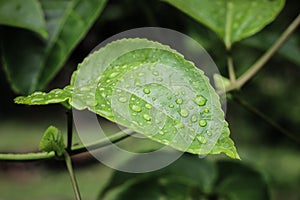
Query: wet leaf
(151, 89)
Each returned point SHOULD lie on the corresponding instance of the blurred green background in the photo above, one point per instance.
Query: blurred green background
(274, 91)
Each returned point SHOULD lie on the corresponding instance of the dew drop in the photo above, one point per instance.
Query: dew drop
(201, 139)
(136, 108)
(155, 73)
(159, 79)
(202, 122)
(157, 121)
(208, 133)
(122, 99)
(179, 125)
(141, 74)
(171, 105)
(200, 100)
(148, 106)
(179, 101)
(194, 118)
(147, 117)
(114, 74)
(206, 110)
(184, 112)
(161, 132)
(146, 90)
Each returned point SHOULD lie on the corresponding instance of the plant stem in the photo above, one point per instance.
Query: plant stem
(34, 156)
(26, 156)
(265, 57)
(264, 117)
(102, 143)
(69, 130)
(231, 70)
(72, 175)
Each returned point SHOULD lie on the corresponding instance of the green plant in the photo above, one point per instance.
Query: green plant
(92, 86)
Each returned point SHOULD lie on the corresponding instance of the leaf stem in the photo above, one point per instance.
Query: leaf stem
(34, 156)
(72, 175)
(244, 78)
(264, 117)
(69, 130)
(231, 70)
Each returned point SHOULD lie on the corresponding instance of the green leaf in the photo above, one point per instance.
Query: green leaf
(42, 98)
(38, 61)
(190, 178)
(23, 14)
(183, 179)
(232, 20)
(52, 141)
(151, 89)
(238, 181)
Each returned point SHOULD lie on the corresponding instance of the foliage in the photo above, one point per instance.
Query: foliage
(232, 20)
(173, 119)
(52, 141)
(189, 178)
(41, 34)
(39, 59)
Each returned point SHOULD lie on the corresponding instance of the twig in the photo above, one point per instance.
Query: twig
(72, 175)
(34, 156)
(264, 117)
(265, 57)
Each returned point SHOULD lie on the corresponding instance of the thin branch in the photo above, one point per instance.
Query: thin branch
(26, 156)
(265, 57)
(264, 117)
(72, 175)
(69, 130)
(74, 151)
(231, 70)
(102, 143)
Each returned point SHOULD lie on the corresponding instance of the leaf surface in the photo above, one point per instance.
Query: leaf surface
(151, 89)
(232, 20)
(23, 14)
(38, 60)
(52, 141)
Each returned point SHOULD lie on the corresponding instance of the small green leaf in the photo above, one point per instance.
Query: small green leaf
(23, 14)
(52, 141)
(221, 82)
(151, 89)
(232, 20)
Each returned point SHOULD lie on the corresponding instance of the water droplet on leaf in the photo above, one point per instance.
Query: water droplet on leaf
(122, 99)
(171, 106)
(147, 117)
(200, 100)
(201, 139)
(179, 101)
(136, 108)
(146, 90)
(114, 74)
(194, 118)
(202, 122)
(184, 112)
